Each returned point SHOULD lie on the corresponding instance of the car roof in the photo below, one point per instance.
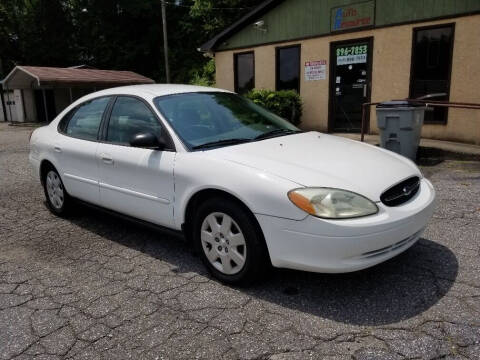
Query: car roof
(154, 90)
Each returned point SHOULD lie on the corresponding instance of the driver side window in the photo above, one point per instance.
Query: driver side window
(130, 117)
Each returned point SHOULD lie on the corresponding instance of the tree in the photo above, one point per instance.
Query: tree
(114, 34)
(8, 36)
(119, 34)
(35, 32)
(211, 16)
(215, 15)
(45, 33)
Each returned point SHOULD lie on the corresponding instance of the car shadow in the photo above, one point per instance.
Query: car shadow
(396, 290)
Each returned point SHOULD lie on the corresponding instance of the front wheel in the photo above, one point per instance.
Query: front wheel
(230, 242)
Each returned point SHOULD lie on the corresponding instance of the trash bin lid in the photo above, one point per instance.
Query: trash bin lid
(399, 104)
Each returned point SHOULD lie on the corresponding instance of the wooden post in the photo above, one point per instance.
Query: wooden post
(45, 105)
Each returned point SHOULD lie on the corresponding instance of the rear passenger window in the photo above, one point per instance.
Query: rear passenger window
(130, 117)
(62, 125)
(85, 122)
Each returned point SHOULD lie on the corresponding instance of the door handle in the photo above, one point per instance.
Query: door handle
(57, 149)
(365, 90)
(106, 159)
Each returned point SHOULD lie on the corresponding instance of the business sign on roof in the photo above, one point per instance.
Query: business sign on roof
(352, 16)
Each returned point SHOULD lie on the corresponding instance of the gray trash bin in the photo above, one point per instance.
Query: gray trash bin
(400, 124)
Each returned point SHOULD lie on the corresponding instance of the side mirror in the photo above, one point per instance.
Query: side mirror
(147, 141)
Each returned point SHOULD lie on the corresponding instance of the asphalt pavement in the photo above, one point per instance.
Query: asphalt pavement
(94, 286)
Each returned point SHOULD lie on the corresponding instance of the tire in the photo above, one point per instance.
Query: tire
(230, 242)
(58, 200)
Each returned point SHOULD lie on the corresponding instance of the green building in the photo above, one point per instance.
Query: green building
(339, 54)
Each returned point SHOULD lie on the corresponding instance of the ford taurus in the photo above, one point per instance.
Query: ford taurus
(248, 188)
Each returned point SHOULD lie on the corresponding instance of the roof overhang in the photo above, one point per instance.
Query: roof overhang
(260, 10)
(31, 77)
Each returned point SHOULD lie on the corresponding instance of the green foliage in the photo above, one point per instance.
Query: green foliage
(206, 76)
(215, 15)
(35, 32)
(285, 103)
(115, 34)
(206, 18)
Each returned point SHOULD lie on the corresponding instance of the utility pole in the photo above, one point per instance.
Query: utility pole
(165, 41)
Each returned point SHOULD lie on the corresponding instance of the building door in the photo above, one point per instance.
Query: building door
(350, 83)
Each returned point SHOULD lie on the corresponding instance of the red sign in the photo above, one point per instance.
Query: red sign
(315, 63)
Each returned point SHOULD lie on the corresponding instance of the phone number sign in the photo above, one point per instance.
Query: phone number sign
(356, 54)
(352, 50)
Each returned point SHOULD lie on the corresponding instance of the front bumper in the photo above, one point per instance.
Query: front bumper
(34, 166)
(337, 246)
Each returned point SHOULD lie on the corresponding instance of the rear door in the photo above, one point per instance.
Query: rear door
(76, 149)
(134, 181)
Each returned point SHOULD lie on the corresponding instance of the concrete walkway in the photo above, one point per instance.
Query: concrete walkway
(446, 146)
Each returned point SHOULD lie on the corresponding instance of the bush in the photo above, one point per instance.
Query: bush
(205, 76)
(285, 103)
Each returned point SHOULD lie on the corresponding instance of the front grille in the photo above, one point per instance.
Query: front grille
(401, 193)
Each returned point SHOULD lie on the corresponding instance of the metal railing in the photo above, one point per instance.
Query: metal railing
(425, 101)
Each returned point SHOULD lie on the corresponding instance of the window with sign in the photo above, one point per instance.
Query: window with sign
(244, 72)
(431, 67)
(288, 68)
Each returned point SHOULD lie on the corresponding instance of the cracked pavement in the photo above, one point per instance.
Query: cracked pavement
(97, 287)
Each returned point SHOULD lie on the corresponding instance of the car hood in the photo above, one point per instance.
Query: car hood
(320, 160)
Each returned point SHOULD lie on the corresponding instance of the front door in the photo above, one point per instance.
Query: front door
(349, 84)
(135, 181)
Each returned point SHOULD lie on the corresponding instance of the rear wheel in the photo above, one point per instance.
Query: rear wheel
(229, 241)
(57, 198)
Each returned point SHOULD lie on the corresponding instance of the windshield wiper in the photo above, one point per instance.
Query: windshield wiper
(221, 142)
(270, 134)
(276, 132)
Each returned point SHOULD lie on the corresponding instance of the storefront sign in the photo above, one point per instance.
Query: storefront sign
(356, 54)
(315, 70)
(352, 16)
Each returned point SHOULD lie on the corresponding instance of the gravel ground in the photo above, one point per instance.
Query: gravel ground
(97, 287)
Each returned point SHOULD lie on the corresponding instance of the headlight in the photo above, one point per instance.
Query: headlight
(331, 203)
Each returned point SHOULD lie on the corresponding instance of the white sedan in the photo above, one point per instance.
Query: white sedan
(245, 186)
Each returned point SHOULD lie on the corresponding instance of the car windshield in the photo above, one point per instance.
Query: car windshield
(213, 119)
